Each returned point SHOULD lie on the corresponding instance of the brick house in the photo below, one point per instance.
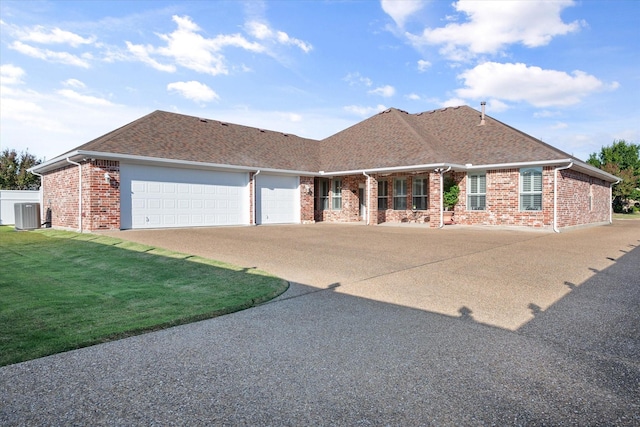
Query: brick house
(172, 170)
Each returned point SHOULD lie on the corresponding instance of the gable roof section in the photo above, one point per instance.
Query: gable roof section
(173, 136)
(451, 135)
(391, 140)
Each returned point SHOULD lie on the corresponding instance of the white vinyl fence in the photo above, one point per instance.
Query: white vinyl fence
(8, 198)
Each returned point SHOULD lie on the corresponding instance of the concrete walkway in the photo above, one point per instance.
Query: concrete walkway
(384, 326)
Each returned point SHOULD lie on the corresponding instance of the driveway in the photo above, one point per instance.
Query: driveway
(381, 326)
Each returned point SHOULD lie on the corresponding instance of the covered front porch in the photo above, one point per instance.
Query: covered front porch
(412, 196)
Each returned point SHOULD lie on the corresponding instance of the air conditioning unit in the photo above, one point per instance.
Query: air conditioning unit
(27, 216)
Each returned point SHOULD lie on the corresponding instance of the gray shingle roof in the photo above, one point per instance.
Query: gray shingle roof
(450, 135)
(392, 138)
(176, 136)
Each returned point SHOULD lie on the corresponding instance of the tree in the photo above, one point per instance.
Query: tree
(621, 159)
(13, 170)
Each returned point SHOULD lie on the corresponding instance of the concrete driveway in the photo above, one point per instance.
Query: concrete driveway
(497, 277)
(382, 326)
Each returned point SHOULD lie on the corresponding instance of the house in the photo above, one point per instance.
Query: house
(172, 170)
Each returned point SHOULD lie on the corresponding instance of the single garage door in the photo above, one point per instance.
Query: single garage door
(157, 197)
(277, 199)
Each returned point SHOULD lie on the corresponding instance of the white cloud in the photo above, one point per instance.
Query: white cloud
(294, 117)
(357, 79)
(490, 26)
(534, 85)
(423, 65)
(384, 91)
(141, 53)
(364, 111)
(559, 125)
(453, 102)
(75, 83)
(413, 97)
(47, 124)
(187, 48)
(40, 34)
(262, 31)
(496, 106)
(545, 114)
(285, 39)
(85, 99)
(400, 10)
(10, 74)
(193, 90)
(49, 55)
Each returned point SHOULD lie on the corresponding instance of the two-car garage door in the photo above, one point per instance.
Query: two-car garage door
(160, 197)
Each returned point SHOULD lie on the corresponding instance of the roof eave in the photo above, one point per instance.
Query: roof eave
(157, 161)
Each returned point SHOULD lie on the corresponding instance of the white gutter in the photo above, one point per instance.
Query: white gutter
(79, 193)
(368, 197)
(255, 198)
(555, 195)
(40, 194)
(611, 199)
(411, 168)
(126, 158)
(442, 171)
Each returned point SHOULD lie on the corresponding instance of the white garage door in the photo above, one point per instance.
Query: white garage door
(157, 197)
(277, 199)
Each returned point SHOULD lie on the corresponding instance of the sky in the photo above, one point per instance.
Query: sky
(567, 72)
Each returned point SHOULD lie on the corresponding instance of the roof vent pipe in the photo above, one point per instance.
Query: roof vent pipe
(482, 104)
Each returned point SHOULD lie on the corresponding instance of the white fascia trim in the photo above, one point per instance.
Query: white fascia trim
(576, 164)
(127, 158)
(430, 166)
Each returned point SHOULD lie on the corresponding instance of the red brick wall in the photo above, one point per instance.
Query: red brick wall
(350, 211)
(582, 199)
(503, 205)
(60, 194)
(100, 199)
(407, 215)
(307, 193)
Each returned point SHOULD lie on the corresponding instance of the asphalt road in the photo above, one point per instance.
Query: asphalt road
(382, 326)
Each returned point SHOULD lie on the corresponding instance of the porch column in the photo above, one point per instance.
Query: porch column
(372, 207)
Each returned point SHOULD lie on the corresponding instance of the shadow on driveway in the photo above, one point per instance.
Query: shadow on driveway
(319, 356)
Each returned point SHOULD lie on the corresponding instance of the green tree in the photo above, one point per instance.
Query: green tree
(621, 159)
(13, 170)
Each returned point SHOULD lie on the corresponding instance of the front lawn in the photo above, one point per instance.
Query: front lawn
(62, 290)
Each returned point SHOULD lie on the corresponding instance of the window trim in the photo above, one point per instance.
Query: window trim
(425, 194)
(537, 171)
(471, 193)
(336, 193)
(385, 197)
(398, 197)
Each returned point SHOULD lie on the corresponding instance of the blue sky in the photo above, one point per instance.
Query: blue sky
(567, 72)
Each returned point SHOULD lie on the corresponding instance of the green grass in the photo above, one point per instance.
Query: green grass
(634, 215)
(62, 290)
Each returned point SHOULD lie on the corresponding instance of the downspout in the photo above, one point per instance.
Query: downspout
(41, 193)
(254, 196)
(442, 172)
(555, 195)
(368, 197)
(611, 199)
(79, 193)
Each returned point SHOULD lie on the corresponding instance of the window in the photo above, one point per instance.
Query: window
(477, 192)
(420, 190)
(400, 194)
(323, 194)
(531, 189)
(336, 194)
(383, 193)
